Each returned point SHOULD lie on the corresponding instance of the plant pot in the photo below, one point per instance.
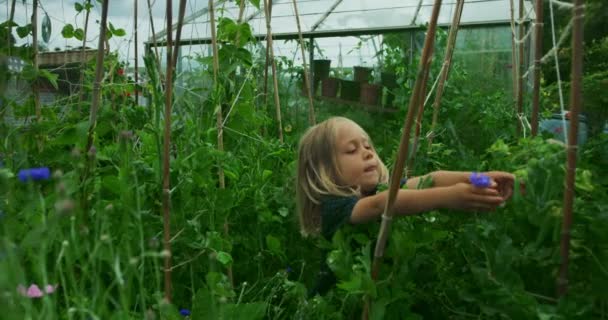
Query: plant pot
(370, 94)
(321, 69)
(349, 90)
(388, 79)
(329, 87)
(362, 74)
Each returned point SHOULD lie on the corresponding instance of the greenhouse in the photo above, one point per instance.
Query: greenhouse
(304, 159)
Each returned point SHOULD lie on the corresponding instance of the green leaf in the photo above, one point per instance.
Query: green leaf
(255, 3)
(24, 31)
(274, 244)
(266, 174)
(111, 27)
(78, 7)
(204, 305)
(67, 31)
(119, 32)
(224, 258)
(51, 77)
(250, 311)
(79, 34)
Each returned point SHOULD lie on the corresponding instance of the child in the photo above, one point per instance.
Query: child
(338, 173)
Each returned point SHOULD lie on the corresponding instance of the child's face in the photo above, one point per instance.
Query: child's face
(357, 160)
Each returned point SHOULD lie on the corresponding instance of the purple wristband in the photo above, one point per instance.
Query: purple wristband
(479, 180)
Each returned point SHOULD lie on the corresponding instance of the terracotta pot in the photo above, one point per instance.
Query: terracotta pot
(370, 94)
(349, 90)
(321, 69)
(388, 79)
(362, 74)
(329, 87)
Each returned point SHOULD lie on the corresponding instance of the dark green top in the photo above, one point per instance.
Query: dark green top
(335, 212)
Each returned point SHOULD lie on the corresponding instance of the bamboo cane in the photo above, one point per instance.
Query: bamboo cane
(275, 81)
(10, 26)
(35, 89)
(538, 54)
(268, 13)
(387, 216)
(576, 101)
(83, 53)
(157, 56)
(219, 122)
(445, 71)
(178, 35)
(166, 154)
(136, 91)
(520, 79)
(95, 100)
(238, 21)
(311, 107)
(514, 63)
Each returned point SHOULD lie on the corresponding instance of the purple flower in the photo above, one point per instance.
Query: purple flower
(480, 180)
(34, 174)
(184, 312)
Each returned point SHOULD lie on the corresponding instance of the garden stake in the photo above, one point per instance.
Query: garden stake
(35, 53)
(166, 154)
(311, 107)
(538, 54)
(420, 107)
(238, 21)
(220, 126)
(513, 55)
(449, 51)
(520, 78)
(267, 12)
(178, 34)
(83, 64)
(576, 100)
(275, 81)
(387, 216)
(95, 101)
(136, 92)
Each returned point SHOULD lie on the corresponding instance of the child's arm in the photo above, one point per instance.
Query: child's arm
(462, 196)
(503, 181)
(440, 178)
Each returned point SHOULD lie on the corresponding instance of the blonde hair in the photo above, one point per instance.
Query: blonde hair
(318, 173)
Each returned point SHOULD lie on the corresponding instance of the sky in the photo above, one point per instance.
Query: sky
(121, 15)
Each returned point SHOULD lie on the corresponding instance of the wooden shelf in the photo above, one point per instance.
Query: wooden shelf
(367, 107)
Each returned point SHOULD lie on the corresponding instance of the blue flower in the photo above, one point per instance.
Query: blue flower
(479, 180)
(289, 269)
(184, 312)
(34, 174)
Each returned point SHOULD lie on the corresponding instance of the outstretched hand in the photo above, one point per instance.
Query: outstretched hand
(502, 182)
(465, 196)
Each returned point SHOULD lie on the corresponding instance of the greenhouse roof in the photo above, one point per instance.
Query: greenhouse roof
(328, 18)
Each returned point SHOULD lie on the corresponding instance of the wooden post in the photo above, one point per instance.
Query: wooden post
(445, 70)
(387, 216)
(311, 107)
(576, 101)
(538, 55)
